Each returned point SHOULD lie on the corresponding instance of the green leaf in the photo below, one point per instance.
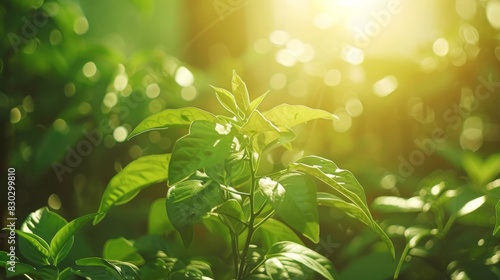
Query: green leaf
(35, 249)
(206, 144)
(240, 93)
(344, 183)
(497, 223)
(232, 214)
(137, 175)
(45, 224)
(181, 117)
(122, 249)
(351, 209)
(256, 102)
(101, 269)
(293, 197)
(291, 115)
(273, 231)
(158, 222)
(65, 236)
(188, 201)
(257, 123)
(276, 266)
(226, 99)
(268, 140)
(392, 204)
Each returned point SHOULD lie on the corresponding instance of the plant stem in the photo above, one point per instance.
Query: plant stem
(251, 220)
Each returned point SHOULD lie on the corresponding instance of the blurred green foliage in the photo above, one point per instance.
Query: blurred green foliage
(70, 69)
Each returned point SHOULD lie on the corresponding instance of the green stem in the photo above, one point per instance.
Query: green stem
(251, 220)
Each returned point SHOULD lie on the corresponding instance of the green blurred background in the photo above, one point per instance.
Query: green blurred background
(416, 86)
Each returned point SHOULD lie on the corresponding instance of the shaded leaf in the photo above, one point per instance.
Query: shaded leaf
(232, 214)
(181, 117)
(293, 197)
(35, 249)
(206, 144)
(138, 174)
(275, 264)
(188, 201)
(273, 231)
(158, 222)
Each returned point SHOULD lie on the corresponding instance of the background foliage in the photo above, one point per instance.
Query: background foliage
(416, 88)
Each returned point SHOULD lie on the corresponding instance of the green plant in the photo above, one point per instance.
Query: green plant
(213, 179)
(452, 226)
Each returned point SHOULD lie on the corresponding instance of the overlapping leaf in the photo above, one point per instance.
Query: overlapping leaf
(207, 143)
(181, 117)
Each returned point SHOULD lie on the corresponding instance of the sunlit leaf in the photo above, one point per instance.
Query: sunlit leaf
(45, 224)
(188, 201)
(181, 117)
(267, 140)
(98, 268)
(240, 93)
(226, 99)
(138, 174)
(276, 266)
(122, 249)
(293, 196)
(257, 123)
(344, 183)
(206, 144)
(287, 115)
(65, 235)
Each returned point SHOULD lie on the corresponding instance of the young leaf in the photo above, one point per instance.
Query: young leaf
(35, 249)
(206, 144)
(257, 123)
(291, 115)
(181, 117)
(256, 102)
(188, 201)
(293, 197)
(138, 174)
(280, 251)
(226, 99)
(268, 140)
(45, 224)
(240, 93)
(497, 223)
(65, 235)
